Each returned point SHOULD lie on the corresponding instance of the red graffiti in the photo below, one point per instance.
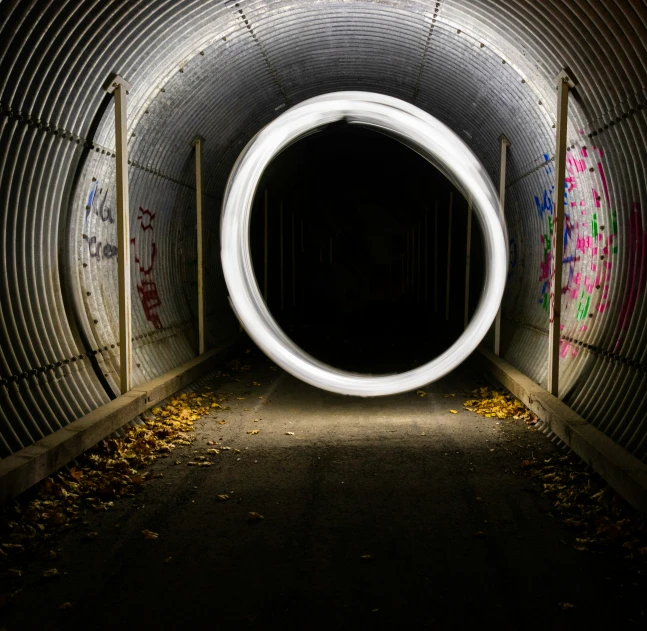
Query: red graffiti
(637, 270)
(145, 254)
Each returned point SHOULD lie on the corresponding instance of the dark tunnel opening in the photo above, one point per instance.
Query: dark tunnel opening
(358, 233)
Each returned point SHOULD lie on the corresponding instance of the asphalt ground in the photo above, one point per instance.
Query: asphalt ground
(387, 513)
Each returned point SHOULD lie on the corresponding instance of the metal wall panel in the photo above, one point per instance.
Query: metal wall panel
(223, 69)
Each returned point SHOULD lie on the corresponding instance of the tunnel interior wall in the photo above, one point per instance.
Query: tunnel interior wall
(225, 69)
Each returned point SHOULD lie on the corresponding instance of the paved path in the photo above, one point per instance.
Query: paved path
(379, 513)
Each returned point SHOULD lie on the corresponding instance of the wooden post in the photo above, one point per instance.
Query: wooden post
(564, 82)
(436, 256)
(265, 250)
(198, 205)
(419, 259)
(426, 261)
(281, 254)
(468, 257)
(449, 253)
(409, 270)
(505, 143)
(119, 87)
(294, 267)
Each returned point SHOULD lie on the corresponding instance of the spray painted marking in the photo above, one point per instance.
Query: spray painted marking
(582, 240)
(637, 271)
(145, 253)
(97, 204)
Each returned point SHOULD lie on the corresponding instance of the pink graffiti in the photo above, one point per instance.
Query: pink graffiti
(637, 270)
(603, 177)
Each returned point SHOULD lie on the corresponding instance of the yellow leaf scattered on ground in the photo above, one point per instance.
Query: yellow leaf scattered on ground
(454, 411)
(447, 396)
(241, 398)
(421, 393)
(491, 403)
(223, 498)
(149, 534)
(254, 517)
(253, 431)
(51, 573)
(223, 422)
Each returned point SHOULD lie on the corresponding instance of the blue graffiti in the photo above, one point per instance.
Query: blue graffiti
(545, 205)
(98, 205)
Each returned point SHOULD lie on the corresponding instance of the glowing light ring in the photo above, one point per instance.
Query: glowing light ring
(433, 140)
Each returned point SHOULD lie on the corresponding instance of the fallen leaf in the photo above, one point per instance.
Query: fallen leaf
(454, 411)
(446, 396)
(149, 534)
(223, 498)
(289, 433)
(254, 517)
(213, 451)
(366, 556)
(423, 434)
(221, 422)
(51, 573)
(15, 573)
(241, 398)
(253, 431)
(421, 393)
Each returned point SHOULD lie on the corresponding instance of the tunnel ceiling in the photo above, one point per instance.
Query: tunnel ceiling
(225, 69)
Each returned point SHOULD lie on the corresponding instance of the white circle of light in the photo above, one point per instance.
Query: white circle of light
(431, 139)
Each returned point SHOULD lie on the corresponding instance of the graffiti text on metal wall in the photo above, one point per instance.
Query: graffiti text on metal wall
(145, 251)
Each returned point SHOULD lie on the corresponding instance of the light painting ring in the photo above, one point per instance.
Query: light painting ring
(431, 139)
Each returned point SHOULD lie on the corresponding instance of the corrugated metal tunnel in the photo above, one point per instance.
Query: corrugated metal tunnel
(225, 69)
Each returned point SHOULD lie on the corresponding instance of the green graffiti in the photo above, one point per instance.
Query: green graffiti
(583, 309)
(595, 226)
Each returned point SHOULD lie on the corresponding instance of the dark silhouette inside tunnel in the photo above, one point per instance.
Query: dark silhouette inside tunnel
(355, 270)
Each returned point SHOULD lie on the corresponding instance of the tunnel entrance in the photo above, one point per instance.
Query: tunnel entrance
(358, 236)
